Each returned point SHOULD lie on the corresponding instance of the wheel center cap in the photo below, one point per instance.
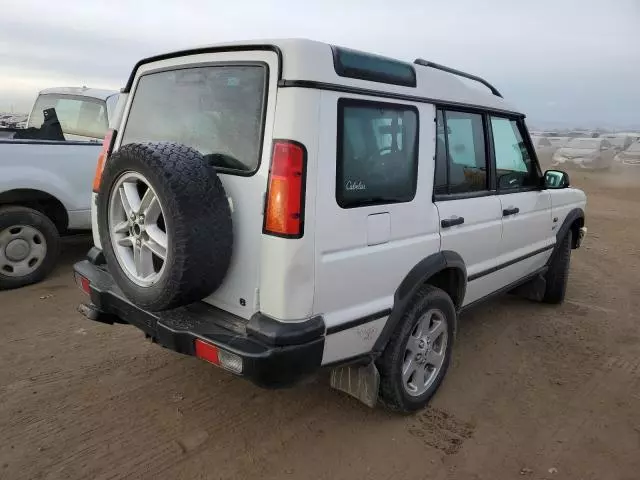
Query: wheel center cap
(17, 250)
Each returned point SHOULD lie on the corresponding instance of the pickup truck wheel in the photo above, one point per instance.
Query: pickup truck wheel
(416, 359)
(29, 246)
(557, 276)
(165, 224)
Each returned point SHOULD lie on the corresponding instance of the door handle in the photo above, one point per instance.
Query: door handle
(450, 222)
(510, 211)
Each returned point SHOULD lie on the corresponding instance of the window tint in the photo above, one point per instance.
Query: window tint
(215, 110)
(81, 117)
(514, 166)
(377, 153)
(365, 66)
(461, 161)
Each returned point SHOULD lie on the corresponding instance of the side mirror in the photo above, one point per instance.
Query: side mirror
(556, 179)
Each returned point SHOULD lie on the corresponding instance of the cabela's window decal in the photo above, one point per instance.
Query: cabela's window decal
(351, 185)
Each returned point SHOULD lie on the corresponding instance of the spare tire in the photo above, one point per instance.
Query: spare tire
(165, 224)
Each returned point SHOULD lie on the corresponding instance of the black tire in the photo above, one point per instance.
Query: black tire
(557, 276)
(14, 215)
(196, 213)
(393, 394)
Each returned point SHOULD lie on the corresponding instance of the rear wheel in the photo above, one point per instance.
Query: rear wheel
(29, 246)
(416, 359)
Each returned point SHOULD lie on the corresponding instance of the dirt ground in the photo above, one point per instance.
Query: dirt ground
(534, 391)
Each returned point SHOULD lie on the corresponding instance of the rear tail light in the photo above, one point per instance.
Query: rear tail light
(83, 283)
(107, 146)
(284, 208)
(206, 351)
(212, 354)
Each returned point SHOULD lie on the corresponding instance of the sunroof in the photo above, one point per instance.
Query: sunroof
(365, 66)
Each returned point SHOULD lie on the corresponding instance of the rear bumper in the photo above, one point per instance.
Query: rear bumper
(274, 354)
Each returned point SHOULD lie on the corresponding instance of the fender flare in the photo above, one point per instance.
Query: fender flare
(571, 217)
(418, 276)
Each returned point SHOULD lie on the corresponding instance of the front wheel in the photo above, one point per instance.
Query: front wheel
(557, 276)
(416, 359)
(29, 246)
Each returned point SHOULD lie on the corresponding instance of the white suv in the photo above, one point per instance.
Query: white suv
(283, 206)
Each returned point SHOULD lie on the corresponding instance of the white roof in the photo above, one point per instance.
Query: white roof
(97, 93)
(308, 60)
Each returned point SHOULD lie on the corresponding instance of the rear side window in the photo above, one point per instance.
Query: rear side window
(377, 153)
(217, 110)
(84, 117)
(461, 159)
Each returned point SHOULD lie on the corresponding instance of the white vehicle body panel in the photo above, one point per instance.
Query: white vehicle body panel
(563, 201)
(526, 232)
(482, 223)
(350, 261)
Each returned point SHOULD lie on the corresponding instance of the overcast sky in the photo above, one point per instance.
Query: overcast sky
(566, 61)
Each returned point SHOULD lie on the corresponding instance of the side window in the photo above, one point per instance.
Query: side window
(514, 165)
(461, 160)
(377, 153)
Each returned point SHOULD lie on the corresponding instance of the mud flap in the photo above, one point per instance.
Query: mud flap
(532, 290)
(359, 381)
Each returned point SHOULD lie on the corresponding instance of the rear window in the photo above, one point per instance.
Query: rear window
(217, 110)
(81, 116)
(377, 153)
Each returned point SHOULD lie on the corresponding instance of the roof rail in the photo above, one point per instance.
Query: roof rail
(426, 63)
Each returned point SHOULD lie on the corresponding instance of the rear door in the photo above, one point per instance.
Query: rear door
(375, 218)
(527, 227)
(223, 105)
(469, 210)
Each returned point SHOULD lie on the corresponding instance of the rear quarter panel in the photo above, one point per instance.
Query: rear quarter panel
(287, 266)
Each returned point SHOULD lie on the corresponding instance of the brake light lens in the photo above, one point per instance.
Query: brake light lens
(206, 351)
(83, 283)
(107, 145)
(284, 209)
(221, 358)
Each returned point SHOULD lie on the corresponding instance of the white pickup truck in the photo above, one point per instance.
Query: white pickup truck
(45, 178)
